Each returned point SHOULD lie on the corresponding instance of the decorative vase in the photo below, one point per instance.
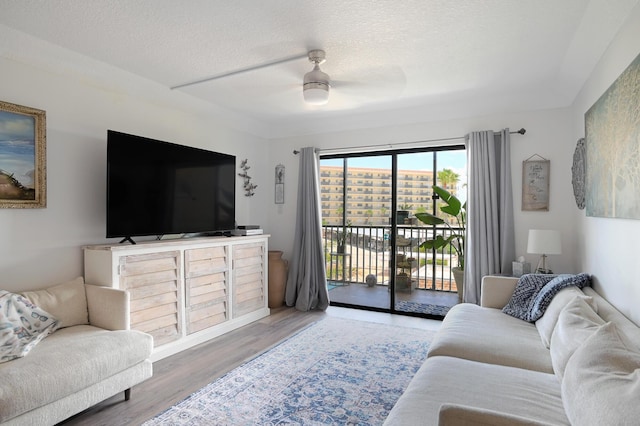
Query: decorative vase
(458, 275)
(277, 278)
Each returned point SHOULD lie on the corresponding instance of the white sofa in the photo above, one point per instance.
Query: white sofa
(90, 357)
(578, 364)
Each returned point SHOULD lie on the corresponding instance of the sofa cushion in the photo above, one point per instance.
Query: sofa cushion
(22, 326)
(601, 384)
(445, 380)
(606, 311)
(576, 323)
(547, 322)
(66, 362)
(462, 415)
(488, 335)
(67, 302)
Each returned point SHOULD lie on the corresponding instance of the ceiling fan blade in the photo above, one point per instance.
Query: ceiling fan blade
(240, 71)
(373, 83)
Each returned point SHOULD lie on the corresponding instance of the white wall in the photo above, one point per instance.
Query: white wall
(40, 247)
(606, 248)
(609, 248)
(547, 133)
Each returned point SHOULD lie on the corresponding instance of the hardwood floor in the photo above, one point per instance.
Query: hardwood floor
(176, 377)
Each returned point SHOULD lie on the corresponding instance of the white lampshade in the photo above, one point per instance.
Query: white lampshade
(544, 241)
(315, 88)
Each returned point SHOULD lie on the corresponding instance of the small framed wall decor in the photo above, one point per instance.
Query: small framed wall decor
(279, 190)
(22, 157)
(535, 184)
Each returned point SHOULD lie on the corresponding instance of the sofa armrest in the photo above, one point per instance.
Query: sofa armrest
(108, 307)
(496, 291)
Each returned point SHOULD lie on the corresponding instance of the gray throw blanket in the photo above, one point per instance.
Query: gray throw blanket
(534, 292)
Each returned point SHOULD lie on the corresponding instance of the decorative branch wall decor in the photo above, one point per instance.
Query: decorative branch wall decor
(249, 188)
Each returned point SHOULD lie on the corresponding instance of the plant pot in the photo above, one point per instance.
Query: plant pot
(277, 278)
(340, 248)
(458, 276)
(401, 215)
(403, 282)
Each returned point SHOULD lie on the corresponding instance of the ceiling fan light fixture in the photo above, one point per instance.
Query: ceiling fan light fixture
(316, 93)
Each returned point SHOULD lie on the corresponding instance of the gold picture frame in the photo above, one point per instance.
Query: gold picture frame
(535, 184)
(23, 182)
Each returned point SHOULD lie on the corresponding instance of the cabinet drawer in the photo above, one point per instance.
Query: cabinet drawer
(248, 278)
(205, 261)
(153, 281)
(207, 301)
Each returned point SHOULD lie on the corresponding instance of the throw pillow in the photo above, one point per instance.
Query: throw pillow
(601, 384)
(534, 292)
(546, 294)
(22, 326)
(547, 322)
(66, 301)
(524, 294)
(576, 323)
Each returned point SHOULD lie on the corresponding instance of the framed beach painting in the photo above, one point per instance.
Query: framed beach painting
(22, 157)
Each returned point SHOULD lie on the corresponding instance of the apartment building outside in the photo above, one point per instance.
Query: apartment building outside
(368, 192)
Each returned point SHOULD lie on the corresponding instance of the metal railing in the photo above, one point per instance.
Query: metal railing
(367, 251)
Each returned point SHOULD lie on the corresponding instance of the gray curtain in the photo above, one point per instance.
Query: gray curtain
(490, 231)
(307, 283)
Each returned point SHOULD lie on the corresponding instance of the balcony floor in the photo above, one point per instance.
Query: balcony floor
(428, 302)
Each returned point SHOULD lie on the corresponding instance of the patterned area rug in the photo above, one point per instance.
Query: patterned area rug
(422, 308)
(336, 371)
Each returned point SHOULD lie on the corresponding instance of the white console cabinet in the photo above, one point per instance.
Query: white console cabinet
(186, 291)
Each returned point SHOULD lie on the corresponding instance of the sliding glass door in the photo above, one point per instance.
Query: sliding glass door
(356, 207)
(372, 238)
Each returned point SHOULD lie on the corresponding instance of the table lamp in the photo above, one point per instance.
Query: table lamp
(544, 242)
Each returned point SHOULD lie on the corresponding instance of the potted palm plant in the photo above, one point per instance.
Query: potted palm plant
(455, 238)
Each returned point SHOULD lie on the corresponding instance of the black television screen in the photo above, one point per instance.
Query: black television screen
(159, 188)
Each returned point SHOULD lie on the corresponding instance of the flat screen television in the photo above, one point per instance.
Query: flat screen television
(160, 188)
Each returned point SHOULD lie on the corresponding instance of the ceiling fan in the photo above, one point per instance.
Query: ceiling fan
(316, 84)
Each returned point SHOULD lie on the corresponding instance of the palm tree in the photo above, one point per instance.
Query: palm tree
(448, 178)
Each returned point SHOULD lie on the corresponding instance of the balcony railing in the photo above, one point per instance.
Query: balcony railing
(369, 250)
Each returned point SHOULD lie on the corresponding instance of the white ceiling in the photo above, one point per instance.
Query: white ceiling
(392, 61)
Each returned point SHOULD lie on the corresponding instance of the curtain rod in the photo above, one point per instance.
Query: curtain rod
(522, 131)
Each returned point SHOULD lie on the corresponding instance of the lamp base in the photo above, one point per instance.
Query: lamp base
(542, 266)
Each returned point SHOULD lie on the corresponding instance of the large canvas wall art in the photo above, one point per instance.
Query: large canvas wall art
(612, 133)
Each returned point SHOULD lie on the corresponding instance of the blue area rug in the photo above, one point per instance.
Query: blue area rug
(336, 371)
(422, 308)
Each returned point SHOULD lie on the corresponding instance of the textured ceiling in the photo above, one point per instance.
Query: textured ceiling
(390, 60)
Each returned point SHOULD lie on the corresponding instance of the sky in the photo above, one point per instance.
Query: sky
(17, 146)
(455, 160)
